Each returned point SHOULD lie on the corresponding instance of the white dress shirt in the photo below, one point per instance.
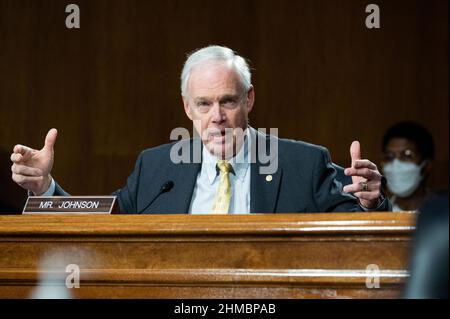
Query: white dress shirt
(50, 191)
(208, 181)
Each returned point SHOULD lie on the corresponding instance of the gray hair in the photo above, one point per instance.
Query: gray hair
(216, 53)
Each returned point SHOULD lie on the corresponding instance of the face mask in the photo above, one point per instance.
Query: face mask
(403, 178)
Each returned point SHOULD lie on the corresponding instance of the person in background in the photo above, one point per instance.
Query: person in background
(429, 257)
(408, 154)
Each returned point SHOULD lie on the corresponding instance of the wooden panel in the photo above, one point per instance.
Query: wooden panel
(231, 256)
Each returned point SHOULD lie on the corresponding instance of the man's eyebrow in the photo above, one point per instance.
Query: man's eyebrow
(201, 98)
(224, 97)
(229, 96)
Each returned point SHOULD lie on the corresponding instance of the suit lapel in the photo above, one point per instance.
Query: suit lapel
(185, 177)
(264, 188)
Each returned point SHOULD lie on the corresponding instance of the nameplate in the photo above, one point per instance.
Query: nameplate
(69, 204)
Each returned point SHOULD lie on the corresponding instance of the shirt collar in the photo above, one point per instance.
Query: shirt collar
(240, 162)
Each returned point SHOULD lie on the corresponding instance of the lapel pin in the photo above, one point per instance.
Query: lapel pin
(269, 178)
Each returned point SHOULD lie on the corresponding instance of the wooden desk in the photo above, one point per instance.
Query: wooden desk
(200, 256)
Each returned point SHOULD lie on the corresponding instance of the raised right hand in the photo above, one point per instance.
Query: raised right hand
(31, 168)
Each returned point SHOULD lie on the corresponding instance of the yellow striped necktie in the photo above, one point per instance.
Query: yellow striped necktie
(223, 195)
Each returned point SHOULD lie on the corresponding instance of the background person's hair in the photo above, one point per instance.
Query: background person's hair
(413, 132)
(216, 53)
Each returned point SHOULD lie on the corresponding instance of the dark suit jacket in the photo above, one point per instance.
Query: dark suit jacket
(304, 182)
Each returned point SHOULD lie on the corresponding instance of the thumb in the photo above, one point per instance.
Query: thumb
(355, 152)
(50, 139)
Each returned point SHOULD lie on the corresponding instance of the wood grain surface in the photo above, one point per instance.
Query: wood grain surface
(190, 256)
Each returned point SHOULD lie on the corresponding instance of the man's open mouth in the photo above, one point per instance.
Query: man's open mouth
(220, 136)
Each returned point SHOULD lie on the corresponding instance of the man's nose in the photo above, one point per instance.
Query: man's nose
(217, 113)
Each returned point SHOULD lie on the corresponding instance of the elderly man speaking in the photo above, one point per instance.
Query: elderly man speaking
(218, 96)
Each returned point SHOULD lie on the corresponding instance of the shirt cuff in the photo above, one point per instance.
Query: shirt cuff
(50, 191)
(381, 201)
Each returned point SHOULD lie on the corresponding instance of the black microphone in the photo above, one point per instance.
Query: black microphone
(166, 187)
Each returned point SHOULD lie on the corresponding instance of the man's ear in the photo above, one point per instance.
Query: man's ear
(250, 98)
(187, 109)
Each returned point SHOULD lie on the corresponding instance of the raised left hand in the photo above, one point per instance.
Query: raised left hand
(366, 179)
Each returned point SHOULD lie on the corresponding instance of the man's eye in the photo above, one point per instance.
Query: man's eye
(229, 103)
(203, 104)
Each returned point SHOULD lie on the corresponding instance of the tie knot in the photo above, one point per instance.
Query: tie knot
(224, 166)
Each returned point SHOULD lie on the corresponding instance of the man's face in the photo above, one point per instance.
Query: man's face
(403, 150)
(217, 103)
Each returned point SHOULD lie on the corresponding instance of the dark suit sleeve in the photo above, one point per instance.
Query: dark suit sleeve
(127, 196)
(328, 192)
(340, 175)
